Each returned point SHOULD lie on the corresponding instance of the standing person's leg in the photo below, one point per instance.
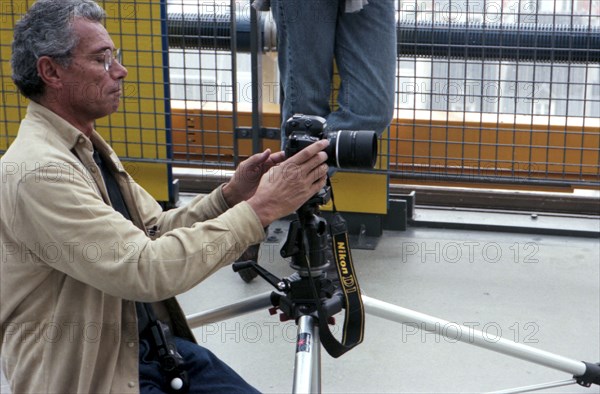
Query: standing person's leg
(305, 43)
(365, 52)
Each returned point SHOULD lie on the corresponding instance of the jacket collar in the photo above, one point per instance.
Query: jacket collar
(70, 136)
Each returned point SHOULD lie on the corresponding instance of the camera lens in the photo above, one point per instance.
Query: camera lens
(352, 149)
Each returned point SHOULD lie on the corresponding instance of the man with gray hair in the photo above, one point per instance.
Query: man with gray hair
(90, 262)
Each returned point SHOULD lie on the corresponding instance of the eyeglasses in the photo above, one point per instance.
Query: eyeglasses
(107, 57)
(110, 57)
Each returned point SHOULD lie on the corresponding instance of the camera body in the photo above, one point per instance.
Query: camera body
(302, 131)
(347, 148)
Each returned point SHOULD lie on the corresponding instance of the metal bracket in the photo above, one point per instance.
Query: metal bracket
(265, 133)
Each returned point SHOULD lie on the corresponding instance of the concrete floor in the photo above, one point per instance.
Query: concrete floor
(541, 291)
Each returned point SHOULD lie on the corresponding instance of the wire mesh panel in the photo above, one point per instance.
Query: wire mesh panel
(13, 104)
(488, 91)
(498, 91)
(139, 130)
(179, 94)
(204, 90)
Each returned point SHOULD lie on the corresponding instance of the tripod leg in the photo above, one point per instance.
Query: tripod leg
(248, 305)
(307, 370)
(472, 336)
(316, 361)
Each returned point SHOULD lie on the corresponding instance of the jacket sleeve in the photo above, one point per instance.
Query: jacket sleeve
(199, 209)
(65, 224)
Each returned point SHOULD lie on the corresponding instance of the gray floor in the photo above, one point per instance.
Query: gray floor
(541, 291)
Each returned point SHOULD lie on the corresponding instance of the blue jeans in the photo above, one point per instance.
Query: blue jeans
(311, 34)
(207, 374)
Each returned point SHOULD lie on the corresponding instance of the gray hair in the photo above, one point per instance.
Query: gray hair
(47, 30)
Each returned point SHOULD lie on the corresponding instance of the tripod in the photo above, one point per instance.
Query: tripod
(307, 363)
(308, 295)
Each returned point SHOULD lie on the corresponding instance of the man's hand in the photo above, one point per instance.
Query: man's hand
(247, 176)
(285, 187)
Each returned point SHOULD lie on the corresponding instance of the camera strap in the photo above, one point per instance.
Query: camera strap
(354, 321)
(162, 344)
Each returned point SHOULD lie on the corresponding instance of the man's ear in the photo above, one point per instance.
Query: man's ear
(48, 71)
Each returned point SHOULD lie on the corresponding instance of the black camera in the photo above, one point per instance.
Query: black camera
(347, 148)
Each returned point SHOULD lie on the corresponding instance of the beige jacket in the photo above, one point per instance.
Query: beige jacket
(71, 265)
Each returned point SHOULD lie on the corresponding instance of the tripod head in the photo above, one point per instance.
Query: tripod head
(309, 248)
(313, 245)
(307, 242)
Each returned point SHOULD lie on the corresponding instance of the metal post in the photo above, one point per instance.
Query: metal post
(307, 370)
(234, 83)
(256, 66)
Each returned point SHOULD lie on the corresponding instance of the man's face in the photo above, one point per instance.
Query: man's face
(89, 91)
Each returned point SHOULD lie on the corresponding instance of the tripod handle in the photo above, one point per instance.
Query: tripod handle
(279, 284)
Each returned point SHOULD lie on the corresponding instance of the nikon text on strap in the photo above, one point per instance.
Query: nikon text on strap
(355, 315)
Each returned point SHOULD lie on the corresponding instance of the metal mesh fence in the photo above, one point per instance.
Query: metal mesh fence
(487, 91)
(202, 69)
(498, 91)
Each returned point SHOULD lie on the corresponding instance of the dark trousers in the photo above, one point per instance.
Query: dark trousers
(207, 374)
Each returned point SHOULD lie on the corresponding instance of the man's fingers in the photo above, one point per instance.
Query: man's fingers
(308, 152)
(316, 186)
(317, 160)
(293, 180)
(259, 158)
(277, 157)
(321, 172)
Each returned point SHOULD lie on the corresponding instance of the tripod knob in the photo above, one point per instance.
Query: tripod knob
(283, 317)
(176, 384)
